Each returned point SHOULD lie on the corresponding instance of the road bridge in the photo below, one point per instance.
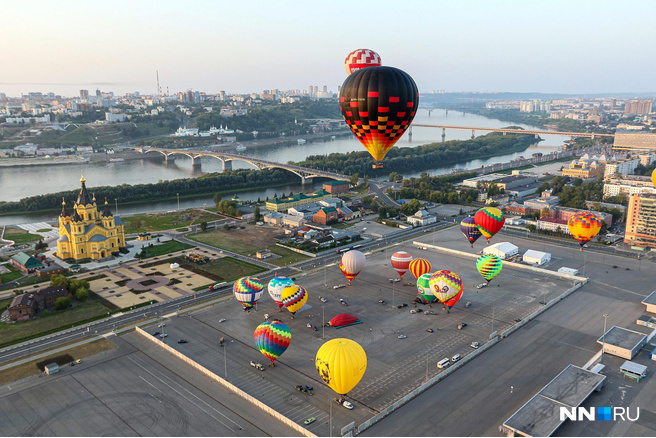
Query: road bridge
(306, 174)
(505, 131)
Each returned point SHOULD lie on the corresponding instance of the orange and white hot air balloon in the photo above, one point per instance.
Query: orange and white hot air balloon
(401, 262)
(352, 263)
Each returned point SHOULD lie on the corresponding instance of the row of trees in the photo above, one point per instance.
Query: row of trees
(210, 183)
(428, 156)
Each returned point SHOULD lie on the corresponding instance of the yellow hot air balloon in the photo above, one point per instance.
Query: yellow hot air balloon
(341, 363)
(653, 177)
(294, 297)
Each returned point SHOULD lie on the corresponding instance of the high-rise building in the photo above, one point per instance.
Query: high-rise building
(638, 107)
(641, 221)
(325, 88)
(97, 92)
(310, 90)
(84, 94)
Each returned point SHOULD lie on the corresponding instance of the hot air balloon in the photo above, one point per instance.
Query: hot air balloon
(343, 320)
(275, 287)
(419, 267)
(248, 290)
(352, 263)
(378, 105)
(401, 262)
(424, 293)
(489, 221)
(341, 363)
(489, 266)
(653, 177)
(584, 227)
(272, 339)
(294, 298)
(361, 58)
(470, 230)
(447, 287)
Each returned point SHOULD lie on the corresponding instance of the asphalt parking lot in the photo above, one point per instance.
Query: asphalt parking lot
(395, 366)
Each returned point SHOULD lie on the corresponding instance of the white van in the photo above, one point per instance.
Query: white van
(443, 363)
(455, 358)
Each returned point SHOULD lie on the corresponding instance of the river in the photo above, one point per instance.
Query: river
(20, 182)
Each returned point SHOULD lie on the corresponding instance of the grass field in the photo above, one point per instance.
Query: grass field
(164, 248)
(286, 256)
(5, 303)
(30, 368)
(166, 221)
(21, 236)
(57, 320)
(229, 269)
(11, 276)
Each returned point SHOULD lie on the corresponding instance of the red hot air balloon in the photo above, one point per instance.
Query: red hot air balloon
(419, 267)
(378, 105)
(401, 262)
(361, 58)
(489, 221)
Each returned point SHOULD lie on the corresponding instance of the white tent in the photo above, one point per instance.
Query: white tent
(503, 250)
(536, 258)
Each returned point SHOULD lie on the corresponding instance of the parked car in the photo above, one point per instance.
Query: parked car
(183, 341)
(382, 301)
(467, 304)
(309, 421)
(222, 320)
(257, 366)
(162, 324)
(402, 336)
(475, 344)
(323, 300)
(429, 330)
(481, 286)
(401, 306)
(163, 335)
(78, 361)
(156, 333)
(347, 404)
(462, 325)
(455, 358)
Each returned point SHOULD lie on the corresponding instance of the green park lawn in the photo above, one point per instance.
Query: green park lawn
(164, 248)
(286, 256)
(10, 276)
(225, 240)
(166, 221)
(229, 269)
(10, 333)
(21, 236)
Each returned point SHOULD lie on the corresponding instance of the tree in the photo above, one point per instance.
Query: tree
(354, 179)
(394, 176)
(40, 245)
(531, 227)
(18, 292)
(62, 303)
(257, 213)
(82, 295)
(59, 280)
(203, 226)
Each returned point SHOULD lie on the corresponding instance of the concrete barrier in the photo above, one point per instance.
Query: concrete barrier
(227, 384)
(505, 262)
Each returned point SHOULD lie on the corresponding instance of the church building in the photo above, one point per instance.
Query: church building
(87, 233)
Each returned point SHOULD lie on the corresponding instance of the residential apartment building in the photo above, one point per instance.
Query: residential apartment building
(630, 185)
(623, 167)
(641, 221)
(638, 107)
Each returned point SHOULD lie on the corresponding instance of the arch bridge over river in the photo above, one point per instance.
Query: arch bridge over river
(306, 174)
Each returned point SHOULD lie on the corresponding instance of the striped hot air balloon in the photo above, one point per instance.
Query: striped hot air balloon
(272, 339)
(447, 287)
(470, 230)
(584, 227)
(294, 298)
(275, 287)
(489, 266)
(361, 58)
(419, 267)
(489, 221)
(248, 290)
(352, 263)
(401, 262)
(424, 292)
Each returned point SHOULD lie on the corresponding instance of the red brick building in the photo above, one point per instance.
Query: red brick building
(336, 187)
(325, 215)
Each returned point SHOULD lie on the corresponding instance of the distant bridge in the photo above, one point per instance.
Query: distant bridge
(514, 131)
(306, 174)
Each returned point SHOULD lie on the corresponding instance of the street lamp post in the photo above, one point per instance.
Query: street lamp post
(603, 338)
(323, 321)
(178, 195)
(116, 205)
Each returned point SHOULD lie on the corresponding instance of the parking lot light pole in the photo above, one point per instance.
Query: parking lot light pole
(603, 338)
(323, 322)
(331, 417)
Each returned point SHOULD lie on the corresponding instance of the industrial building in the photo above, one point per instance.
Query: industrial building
(536, 258)
(622, 342)
(650, 302)
(503, 250)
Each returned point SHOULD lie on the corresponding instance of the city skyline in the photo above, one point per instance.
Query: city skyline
(555, 47)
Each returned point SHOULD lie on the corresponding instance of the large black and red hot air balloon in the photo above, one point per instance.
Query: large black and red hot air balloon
(378, 105)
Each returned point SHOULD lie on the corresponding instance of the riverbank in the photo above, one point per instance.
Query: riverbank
(53, 161)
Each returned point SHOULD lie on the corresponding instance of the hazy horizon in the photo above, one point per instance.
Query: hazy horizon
(584, 47)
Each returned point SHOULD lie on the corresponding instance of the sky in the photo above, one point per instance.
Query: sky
(573, 47)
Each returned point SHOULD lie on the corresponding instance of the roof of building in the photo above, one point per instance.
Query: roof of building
(52, 290)
(106, 212)
(327, 210)
(83, 198)
(118, 220)
(24, 299)
(63, 238)
(503, 247)
(536, 254)
(26, 260)
(299, 197)
(633, 367)
(553, 221)
(650, 299)
(97, 238)
(345, 210)
(335, 183)
(540, 416)
(622, 338)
